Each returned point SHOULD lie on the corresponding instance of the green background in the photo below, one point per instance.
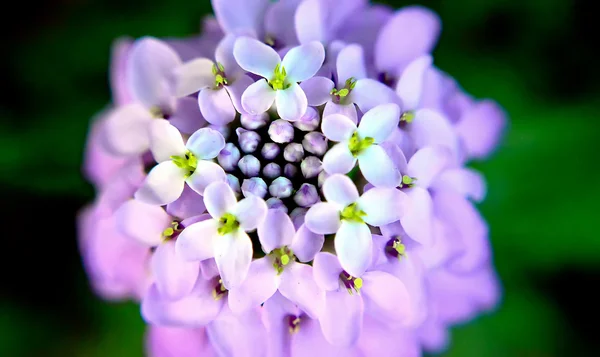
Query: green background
(534, 57)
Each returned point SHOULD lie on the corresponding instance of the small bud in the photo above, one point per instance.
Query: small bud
(281, 131)
(249, 165)
(306, 196)
(253, 122)
(254, 186)
(281, 187)
(309, 121)
(234, 183)
(276, 203)
(223, 129)
(293, 152)
(248, 140)
(322, 177)
(272, 170)
(315, 143)
(290, 170)
(311, 167)
(270, 151)
(228, 157)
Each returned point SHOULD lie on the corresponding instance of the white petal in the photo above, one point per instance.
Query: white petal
(369, 93)
(216, 106)
(354, 247)
(338, 127)
(350, 64)
(255, 57)
(258, 97)
(219, 199)
(379, 122)
(382, 205)
(194, 75)
(233, 254)
(377, 167)
(340, 189)
(206, 143)
(339, 159)
(196, 241)
(125, 130)
(303, 62)
(291, 102)
(207, 172)
(410, 84)
(427, 164)
(276, 230)
(317, 90)
(250, 212)
(260, 284)
(348, 110)
(165, 140)
(418, 218)
(164, 184)
(323, 218)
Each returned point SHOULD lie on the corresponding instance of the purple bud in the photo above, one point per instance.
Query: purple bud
(315, 143)
(253, 122)
(306, 196)
(254, 186)
(234, 183)
(272, 170)
(249, 165)
(223, 129)
(293, 152)
(322, 177)
(311, 167)
(281, 187)
(270, 151)
(290, 170)
(309, 121)
(248, 140)
(228, 157)
(276, 203)
(281, 131)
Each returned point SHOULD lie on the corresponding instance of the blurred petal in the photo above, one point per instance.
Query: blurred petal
(189, 204)
(298, 285)
(276, 230)
(233, 254)
(369, 93)
(317, 90)
(310, 21)
(255, 57)
(291, 102)
(427, 164)
(417, 221)
(323, 218)
(377, 167)
(430, 128)
(410, 85)
(260, 284)
(302, 62)
(125, 130)
(338, 127)
(196, 241)
(193, 76)
(350, 64)
(207, 172)
(342, 317)
(354, 247)
(467, 182)
(258, 97)
(187, 117)
(383, 205)
(216, 106)
(481, 128)
(163, 184)
(250, 212)
(142, 221)
(385, 297)
(206, 143)
(340, 189)
(379, 122)
(165, 140)
(339, 159)
(306, 244)
(224, 54)
(173, 276)
(219, 199)
(240, 16)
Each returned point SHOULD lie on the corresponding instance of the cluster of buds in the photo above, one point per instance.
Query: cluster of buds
(292, 182)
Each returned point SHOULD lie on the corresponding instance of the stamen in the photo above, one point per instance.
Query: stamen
(353, 213)
(358, 145)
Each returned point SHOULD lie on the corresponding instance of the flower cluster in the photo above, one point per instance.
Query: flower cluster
(291, 183)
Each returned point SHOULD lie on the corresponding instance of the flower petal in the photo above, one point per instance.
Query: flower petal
(187, 117)
(323, 218)
(310, 21)
(467, 182)
(165, 140)
(207, 172)
(173, 276)
(298, 285)
(240, 16)
(306, 244)
(481, 128)
(430, 128)
(216, 106)
(291, 102)
(142, 221)
(194, 75)
(327, 270)
(163, 185)
(410, 85)
(302, 62)
(317, 90)
(236, 89)
(369, 93)
(250, 212)
(396, 155)
(206, 143)
(427, 164)
(383, 205)
(125, 130)
(350, 64)
(150, 72)
(340, 189)
(342, 317)
(255, 57)
(338, 127)
(219, 199)
(379, 122)
(377, 167)
(189, 204)
(347, 110)
(258, 97)
(233, 254)
(196, 241)
(260, 284)
(385, 297)
(224, 55)
(417, 221)
(354, 247)
(339, 159)
(275, 231)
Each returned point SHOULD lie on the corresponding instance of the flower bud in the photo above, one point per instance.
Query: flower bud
(309, 121)
(281, 131)
(248, 140)
(307, 195)
(228, 157)
(272, 170)
(315, 143)
(270, 151)
(293, 152)
(281, 187)
(322, 177)
(234, 183)
(311, 167)
(253, 122)
(254, 186)
(276, 203)
(249, 165)
(290, 170)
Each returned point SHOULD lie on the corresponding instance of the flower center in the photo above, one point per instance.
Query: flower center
(293, 323)
(351, 283)
(277, 82)
(395, 248)
(340, 94)
(406, 118)
(219, 290)
(158, 113)
(358, 145)
(220, 78)
(173, 231)
(228, 224)
(282, 257)
(353, 214)
(188, 162)
(408, 181)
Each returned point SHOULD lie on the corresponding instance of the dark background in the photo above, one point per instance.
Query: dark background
(536, 58)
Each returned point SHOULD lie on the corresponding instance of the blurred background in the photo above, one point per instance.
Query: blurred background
(536, 58)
